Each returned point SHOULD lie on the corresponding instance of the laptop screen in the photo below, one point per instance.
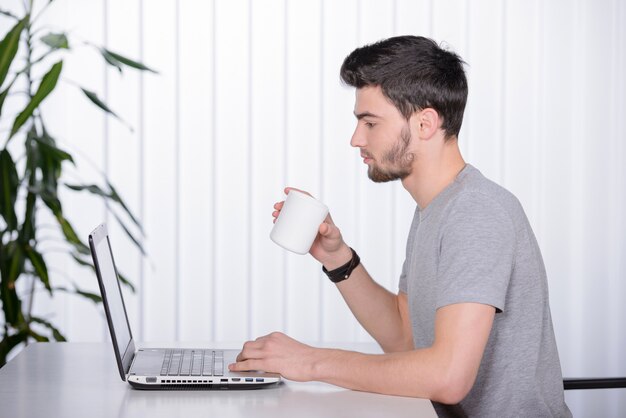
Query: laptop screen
(112, 299)
(113, 294)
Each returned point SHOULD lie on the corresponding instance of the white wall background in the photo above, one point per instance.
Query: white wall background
(248, 100)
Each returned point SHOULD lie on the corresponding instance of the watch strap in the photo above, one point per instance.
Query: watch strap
(342, 273)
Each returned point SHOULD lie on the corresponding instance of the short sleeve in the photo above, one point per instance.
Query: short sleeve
(477, 246)
(402, 283)
(410, 244)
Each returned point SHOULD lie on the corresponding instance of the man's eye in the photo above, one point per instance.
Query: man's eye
(369, 124)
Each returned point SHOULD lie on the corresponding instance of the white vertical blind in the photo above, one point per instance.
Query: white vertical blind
(124, 158)
(266, 292)
(339, 166)
(248, 101)
(196, 210)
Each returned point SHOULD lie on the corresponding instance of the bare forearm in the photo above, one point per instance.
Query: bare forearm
(417, 373)
(377, 310)
(444, 372)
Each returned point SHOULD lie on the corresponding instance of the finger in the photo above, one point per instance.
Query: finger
(251, 345)
(279, 205)
(249, 350)
(246, 365)
(250, 353)
(288, 189)
(326, 229)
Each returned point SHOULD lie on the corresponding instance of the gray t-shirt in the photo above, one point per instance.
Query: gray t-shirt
(473, 243)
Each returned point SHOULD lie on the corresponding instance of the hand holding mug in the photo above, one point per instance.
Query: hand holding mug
(302, 224)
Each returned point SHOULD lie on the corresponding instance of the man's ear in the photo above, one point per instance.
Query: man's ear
(426, 122)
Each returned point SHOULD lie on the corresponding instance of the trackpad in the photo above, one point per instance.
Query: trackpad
(147, 362)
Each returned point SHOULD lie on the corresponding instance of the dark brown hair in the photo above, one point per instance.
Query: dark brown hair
(414, 73)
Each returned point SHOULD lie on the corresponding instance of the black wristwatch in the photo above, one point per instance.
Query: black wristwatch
(342, 273)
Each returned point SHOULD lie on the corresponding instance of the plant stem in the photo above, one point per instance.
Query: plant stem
(29, 52)
(30, 300)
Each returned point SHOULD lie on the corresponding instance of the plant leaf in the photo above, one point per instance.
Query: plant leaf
(95, 100)
(27, 232)
(129, 234)
(110, 60)
(8, 14)
(9, 342)
(3, 96)
(56, 41)
(126, 282)
(16, 265)
(122, 278)
(38, 337)
(8, 189)
(118, 60)
(39, 264)
(82, 262)
(9, 46)
(68, 231)
(71, 236)
(11, 264)
(113, 195)
(48, 83)
(55, 332)
(89, 295)
(50, 159)
(91, 188)
(49, 144)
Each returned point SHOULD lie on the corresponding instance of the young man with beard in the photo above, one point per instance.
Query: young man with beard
(470, 327)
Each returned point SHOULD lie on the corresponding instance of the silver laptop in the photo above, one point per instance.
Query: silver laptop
(161, 368)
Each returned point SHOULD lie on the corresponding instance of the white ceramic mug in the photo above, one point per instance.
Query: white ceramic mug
(298, 222)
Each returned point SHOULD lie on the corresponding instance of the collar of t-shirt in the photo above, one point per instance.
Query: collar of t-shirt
(441, 198)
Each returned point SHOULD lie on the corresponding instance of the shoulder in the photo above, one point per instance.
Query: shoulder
(482, 203)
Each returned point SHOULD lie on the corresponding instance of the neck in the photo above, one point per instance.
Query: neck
(433, 173)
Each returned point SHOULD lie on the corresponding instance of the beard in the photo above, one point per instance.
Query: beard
(398, 159)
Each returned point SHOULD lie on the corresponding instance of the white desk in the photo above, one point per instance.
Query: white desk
(81, 380)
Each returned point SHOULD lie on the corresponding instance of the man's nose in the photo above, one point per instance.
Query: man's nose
(357, 140)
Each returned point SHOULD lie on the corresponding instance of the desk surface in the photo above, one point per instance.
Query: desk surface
(81, 380)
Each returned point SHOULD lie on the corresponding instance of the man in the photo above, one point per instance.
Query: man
(470, 327)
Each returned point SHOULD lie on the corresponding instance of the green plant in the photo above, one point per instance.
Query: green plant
(31, 183)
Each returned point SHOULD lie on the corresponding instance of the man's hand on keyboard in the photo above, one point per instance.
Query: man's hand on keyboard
(278, 353)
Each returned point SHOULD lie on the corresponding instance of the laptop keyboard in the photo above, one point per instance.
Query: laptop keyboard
(193, 363)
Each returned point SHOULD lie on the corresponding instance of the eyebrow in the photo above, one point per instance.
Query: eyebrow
(362, 115)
